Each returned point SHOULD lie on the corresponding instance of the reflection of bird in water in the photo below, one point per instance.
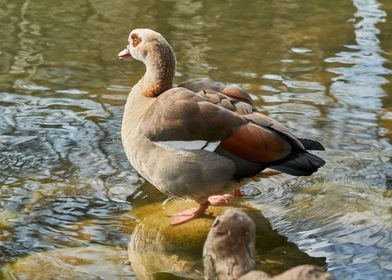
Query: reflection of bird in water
(229, 252)
(200, 139)
(158, 250)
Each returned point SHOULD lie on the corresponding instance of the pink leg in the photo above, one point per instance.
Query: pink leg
(237, 193)
(217, 200)
(188, 214)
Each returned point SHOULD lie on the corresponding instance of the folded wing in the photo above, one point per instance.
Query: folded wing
(224, 120)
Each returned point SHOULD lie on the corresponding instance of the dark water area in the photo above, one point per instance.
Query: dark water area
(323, 68)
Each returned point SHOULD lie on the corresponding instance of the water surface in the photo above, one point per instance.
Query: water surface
(323, 68)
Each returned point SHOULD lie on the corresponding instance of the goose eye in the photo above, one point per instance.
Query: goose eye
(135, 41)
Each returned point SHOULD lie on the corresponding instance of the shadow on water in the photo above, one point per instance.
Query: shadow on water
(323, 68)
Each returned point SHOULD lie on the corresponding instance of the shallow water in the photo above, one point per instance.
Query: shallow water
(321, 67)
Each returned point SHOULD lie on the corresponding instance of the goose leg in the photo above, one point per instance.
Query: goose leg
(237, 193)
(191, 213)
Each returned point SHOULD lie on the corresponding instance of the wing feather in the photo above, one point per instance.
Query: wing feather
(223, 119)
(256, 144)
(179, 114)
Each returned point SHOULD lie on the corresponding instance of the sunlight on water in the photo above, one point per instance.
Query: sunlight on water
(323, 69)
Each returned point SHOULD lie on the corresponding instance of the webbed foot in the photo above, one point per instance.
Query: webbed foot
(188, 214)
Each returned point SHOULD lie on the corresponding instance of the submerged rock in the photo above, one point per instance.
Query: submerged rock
(158, 249)
(92, 262)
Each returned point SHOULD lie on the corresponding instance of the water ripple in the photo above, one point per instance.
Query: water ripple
(323, 70)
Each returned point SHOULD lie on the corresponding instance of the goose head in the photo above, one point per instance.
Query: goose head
(145, 44)
(154, 51)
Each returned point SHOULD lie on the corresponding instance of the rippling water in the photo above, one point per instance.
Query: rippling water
(322, 68)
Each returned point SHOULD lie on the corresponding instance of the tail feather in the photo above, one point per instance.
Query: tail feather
(302, 164)
(310, 144)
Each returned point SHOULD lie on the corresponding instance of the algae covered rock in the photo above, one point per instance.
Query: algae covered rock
(158, 249)
(92, 262)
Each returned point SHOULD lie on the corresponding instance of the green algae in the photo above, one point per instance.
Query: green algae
(157, 248)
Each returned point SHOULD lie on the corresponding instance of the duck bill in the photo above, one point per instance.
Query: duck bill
(124, 54)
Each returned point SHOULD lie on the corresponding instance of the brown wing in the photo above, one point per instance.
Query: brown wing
(240, 102)
(182, 115)
(265, 121)
(227, 115)
(237, 100)
(256, 144)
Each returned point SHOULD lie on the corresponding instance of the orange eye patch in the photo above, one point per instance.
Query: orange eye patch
(135, 40)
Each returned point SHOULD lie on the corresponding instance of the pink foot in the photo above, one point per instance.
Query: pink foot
(217, 200)
(188, 214)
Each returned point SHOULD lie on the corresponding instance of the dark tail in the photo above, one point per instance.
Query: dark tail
(301, 164)
(311, 144)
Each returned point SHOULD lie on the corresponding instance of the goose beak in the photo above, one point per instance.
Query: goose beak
(124, 54)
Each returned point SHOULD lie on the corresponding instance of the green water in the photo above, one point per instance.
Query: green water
(323, 68)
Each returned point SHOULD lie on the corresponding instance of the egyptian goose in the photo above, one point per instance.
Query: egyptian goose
(198, 140)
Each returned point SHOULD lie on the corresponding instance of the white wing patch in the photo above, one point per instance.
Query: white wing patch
(189, 145)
